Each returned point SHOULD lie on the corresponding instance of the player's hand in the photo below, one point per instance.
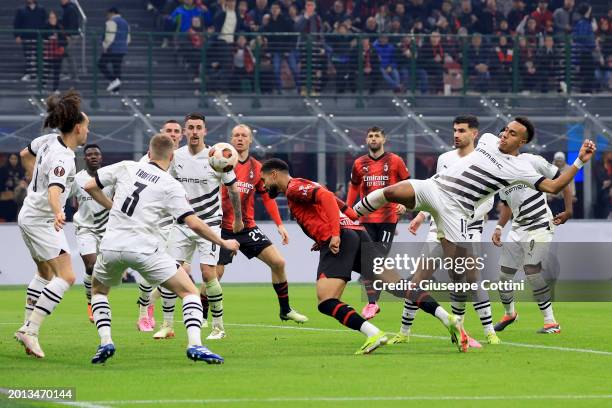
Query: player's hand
(238, 226)
(400, 209)
(587, 150)
(230, 245)
(562, 217)
(315, 247)
(283, 233)
(415, 224)
(334, 244)
(59, 221)
(496, 238)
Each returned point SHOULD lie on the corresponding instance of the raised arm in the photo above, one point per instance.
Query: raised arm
(555, 186)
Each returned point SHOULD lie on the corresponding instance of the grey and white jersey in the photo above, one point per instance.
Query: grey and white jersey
(90, 215)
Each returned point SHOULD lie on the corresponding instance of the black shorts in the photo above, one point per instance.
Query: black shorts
(341, 265)
(252, 241)
(382, 232)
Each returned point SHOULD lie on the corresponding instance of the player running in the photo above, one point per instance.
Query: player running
(91, 218)
(370, 172)
(42, 217)
(253, 242)
(203, 185)
(452, 195)
(528, 241)
(339, 239)
(465, 132)
(144, 194)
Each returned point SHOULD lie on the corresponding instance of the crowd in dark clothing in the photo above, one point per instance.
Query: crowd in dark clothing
(426, 44)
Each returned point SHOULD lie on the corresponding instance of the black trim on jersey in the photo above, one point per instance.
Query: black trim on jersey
(30, 149)
(381, 156)
(204, 197)
(181, 219)
(538, 226)
(100, 213)
(165, 223)
(213, 223)
(460, 193)
(486, 173)
(98, 182)
(59, 139)
(529, 200)
(209, 213)
(537, 184)
(536, 205)
(557, 174)
(60, 185)
(314, 194)
(245, 160)
(156, 165)
(481, 181)
(462, 183)
(231, 182)
(527, 220)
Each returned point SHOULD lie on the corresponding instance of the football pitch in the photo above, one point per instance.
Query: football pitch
(274, 364)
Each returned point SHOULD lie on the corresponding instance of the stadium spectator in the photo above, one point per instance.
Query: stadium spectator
(447, 12)
(71, 23)
(243, 66)
(227, 23)
(543, 17)
(417, 10)
(335, 16)
(604, 187)
(383, 19)
(370, 74)
(370, 26)
(548, 65)
(243, 15)
(407, 60)
(114, 46)
(342, 45)
(584, 44)
(310, 25)
(257, 14)
(555, 201)
(12, 188)
(527, 68)
(190, 47)
(564, 18)
(282, 47)
(30, 17)
(490, 18)
(388, 65)
(502, 65)
(516, 14)
(54, 43)
(183, 15)
(466, 17)
(431, 57)
(400, 13)
(479, 61)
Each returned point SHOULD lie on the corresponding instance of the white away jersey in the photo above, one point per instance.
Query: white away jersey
(201, 183)
(446, 160)
(529, 207)
(166, 222)
(40, 141)
(484, 172)
(54, 167)
(144, 194)
(90, 214)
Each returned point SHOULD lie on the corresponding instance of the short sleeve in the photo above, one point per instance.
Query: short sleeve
(61, 168)
(228, 178)
(107, 176)
(356, 174)
(488, 139)
(301, 192)
(36, 144)
(527, 174)
(177, 204)
(402, 170)
(542, 166)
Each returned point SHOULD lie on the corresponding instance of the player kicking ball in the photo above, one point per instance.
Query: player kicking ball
(144, 194)
(253, 242)
(91, 218)
(339, 240)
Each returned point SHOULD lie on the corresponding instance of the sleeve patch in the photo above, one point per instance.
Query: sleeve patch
(59, 171)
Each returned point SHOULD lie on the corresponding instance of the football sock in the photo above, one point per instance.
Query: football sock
(458, 300)
(205, 305)
(50, 297)
(215, 298)
(343, 313)
(482, 306)
(282, 292)
(541, 293)
(408, 314)
(102, 318)
(506, 295)
(371, 202)
(192, 318)
(87, 285)
(37, 284)
(145, 298)
(168, 303)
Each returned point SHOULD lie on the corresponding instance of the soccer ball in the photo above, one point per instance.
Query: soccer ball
(222, 157)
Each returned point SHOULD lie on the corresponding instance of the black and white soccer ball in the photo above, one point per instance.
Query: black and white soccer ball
(222, 157)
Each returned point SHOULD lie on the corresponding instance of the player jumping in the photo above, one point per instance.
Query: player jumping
(370, 172)
(253, 242)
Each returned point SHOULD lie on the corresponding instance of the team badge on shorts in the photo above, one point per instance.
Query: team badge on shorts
(59, 171)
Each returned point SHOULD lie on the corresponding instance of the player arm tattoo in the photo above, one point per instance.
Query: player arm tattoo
(234, 196)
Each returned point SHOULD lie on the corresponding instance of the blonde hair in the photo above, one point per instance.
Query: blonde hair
(161, 147)
(244, 127)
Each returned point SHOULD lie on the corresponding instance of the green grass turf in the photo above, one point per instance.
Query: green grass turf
(263, 362)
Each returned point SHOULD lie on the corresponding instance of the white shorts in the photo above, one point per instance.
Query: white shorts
(43, 241)
(525, 248)
(451, 219)
(183, 243)
(155, 268)
(87, 241)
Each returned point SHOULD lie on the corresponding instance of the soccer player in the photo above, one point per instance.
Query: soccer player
(253, 242)
(528, 241)
(203, 186)
(452, 195)
(42, 217)
(465, 131)
(91, 218)
(370, 172)
(339, 239)
(144, 194)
